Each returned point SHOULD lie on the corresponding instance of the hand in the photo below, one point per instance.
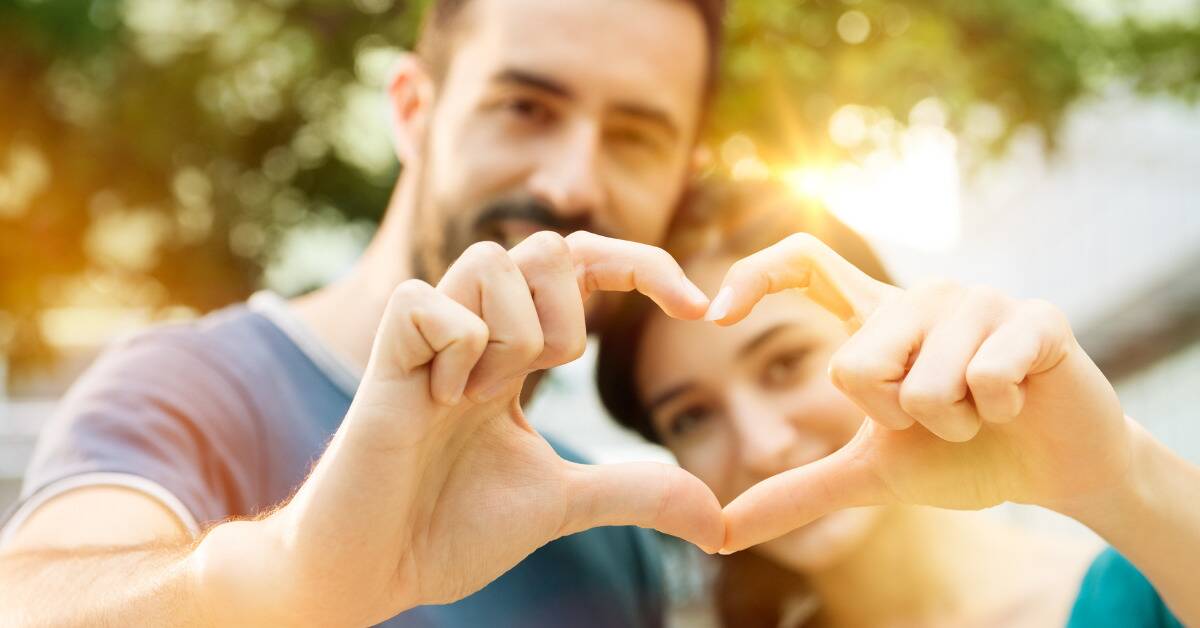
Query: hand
(435, 484)
(973, 399)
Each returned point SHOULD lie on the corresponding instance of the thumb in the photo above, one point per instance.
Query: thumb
(797, 497)
(645, 494)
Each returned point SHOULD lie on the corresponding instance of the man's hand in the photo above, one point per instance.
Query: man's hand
(973, 399)
(435, 484)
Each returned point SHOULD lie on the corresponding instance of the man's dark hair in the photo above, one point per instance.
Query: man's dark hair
(438, 32)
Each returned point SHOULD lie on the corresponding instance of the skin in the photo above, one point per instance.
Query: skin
(741, 405)
(391, 515)
(737, 406)
(534, 115)
(605, 147)
(972, 399)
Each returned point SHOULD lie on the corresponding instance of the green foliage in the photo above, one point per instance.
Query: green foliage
(791, 65)
(155, 152)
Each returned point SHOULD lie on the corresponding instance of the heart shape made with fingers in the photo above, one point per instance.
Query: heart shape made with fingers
(971, 398)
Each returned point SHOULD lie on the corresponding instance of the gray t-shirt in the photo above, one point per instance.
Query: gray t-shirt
(225, 416)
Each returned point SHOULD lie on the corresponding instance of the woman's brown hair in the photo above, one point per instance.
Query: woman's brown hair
(721, 219)
(724, 219)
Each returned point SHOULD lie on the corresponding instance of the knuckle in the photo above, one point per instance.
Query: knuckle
(578, 237)
(987, 378)
(660, 257)
(568, 348)
(575, 348)
(803, 241)
(484, 252)
(474, 333)
(549, 243)
(920, 398)
(938, 287)
(1045, 310)
(986, 297)
(853, 372)
(546, 250)
(409, 293)
(527, 346)
(1045, 319)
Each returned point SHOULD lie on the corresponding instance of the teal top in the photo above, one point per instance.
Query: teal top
(1114, 593)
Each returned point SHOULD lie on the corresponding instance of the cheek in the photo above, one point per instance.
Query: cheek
(825, 542)
(472, 162)
(641, 200)
(819, 404)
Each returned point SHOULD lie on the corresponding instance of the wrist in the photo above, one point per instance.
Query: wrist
(1120, 507)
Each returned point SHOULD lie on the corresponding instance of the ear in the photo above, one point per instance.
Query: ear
(411, 93)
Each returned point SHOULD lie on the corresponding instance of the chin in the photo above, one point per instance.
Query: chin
(825, 542)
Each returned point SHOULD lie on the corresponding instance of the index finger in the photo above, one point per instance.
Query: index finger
(607, 264)
(799, 496)
(798, 261)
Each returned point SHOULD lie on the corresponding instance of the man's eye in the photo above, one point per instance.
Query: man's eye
(527, 109)
(635, 139)
(688, 420)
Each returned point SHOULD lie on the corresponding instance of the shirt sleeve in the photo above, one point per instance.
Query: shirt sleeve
(1114, 593)
(153, 415)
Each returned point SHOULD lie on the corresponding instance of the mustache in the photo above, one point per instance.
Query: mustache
(489, 222)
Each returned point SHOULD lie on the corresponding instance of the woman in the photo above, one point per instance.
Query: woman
(974, 399)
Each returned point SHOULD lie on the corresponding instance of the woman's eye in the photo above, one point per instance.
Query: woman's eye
(687, 420)
(784, 369)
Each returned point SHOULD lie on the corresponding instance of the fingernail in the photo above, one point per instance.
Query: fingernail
(724, 552)
(720, 305)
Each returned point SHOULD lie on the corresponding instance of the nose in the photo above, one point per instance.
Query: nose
(568, 177)
(767, 441)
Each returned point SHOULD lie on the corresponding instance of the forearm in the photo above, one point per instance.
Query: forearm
(127, 586)
(1154, 521)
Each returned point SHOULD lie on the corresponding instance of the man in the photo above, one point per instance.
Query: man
(518, 116)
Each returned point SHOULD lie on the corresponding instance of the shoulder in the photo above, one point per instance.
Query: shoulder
(230, 343)
(214, 367)
(1115, 593)
(169, 411)
(193, 372)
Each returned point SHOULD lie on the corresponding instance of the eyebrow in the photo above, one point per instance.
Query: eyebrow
(667, 395)
(746, 349)
(545, 84)
(762, 338)
(534, 81)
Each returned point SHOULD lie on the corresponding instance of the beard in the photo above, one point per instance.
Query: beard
(443, 234)
(491, 221)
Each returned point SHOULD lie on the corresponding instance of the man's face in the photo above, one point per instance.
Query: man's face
(563, 116)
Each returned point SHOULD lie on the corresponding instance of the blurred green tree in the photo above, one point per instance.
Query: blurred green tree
(156, 152)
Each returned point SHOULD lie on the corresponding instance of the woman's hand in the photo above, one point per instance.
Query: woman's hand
(974, 398)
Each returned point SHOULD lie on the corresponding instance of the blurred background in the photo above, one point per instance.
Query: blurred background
(162, 158)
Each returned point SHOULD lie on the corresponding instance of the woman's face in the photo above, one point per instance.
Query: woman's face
(737, 405)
